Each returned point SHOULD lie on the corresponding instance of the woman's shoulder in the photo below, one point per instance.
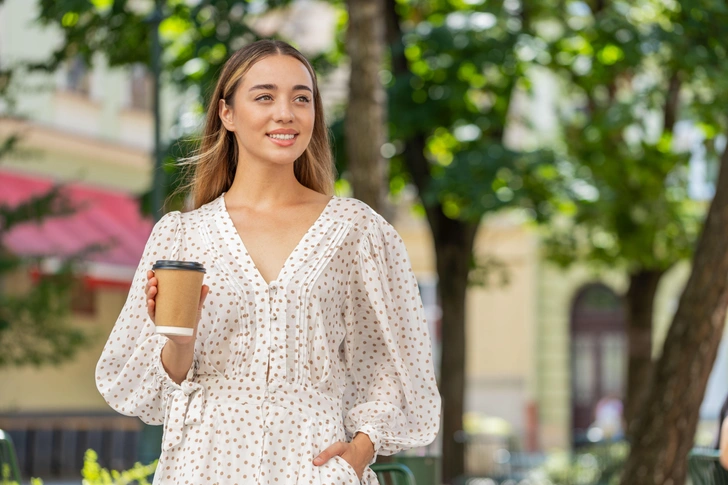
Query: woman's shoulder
(202, 213)
(355, 211)
(358, 214)
(367, 221)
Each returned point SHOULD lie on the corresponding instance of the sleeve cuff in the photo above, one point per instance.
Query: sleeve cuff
(168, 385)
(373, 435)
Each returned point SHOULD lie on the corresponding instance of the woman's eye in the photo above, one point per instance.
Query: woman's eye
(304, 99)
(265, 97)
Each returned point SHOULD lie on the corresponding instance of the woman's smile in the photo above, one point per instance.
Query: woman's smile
(284, 138)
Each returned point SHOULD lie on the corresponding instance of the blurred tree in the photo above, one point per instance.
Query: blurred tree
(694, 33)
(365, 111)
(197, 37)
(625, 86)
(35, 328)
(34, 324)
(456, 70)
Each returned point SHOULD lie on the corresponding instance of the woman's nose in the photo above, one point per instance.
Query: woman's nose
(284, 113)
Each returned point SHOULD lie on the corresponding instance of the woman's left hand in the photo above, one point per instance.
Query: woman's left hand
(357, 453)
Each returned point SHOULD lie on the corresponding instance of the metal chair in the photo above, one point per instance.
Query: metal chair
(393, 474)
(9, 469)
(705, 469)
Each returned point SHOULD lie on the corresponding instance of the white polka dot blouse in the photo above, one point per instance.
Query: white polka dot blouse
(336, 344)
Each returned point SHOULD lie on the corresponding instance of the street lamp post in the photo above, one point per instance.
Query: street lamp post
(150, 441)
(158, 176)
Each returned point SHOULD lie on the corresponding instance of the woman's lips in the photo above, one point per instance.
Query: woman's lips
(282, 140)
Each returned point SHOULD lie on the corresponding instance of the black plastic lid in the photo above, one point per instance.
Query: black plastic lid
(188, 265)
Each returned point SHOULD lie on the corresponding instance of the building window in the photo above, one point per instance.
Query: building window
(141, 88)
(78, 76)
(83, 298)
(598, 356)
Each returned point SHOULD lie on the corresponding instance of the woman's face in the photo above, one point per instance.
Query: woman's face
(273, 111)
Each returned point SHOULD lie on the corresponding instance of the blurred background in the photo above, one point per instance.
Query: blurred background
(549, 164)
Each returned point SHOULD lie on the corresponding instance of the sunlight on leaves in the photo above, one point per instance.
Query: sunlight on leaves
(69, 19)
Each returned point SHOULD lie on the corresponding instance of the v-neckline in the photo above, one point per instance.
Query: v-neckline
(249, 258)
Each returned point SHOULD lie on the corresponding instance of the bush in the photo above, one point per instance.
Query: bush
(95, 474)
(599, 464)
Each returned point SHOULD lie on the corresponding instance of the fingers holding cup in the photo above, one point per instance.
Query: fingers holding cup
(150, 290)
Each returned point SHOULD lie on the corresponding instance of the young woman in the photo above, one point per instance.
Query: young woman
(311, 355)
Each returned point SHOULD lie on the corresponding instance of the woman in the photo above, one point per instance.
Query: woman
(311, 355)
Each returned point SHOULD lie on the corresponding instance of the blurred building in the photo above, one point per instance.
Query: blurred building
(92, 130)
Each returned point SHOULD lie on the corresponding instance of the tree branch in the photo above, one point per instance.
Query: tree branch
(671, 103)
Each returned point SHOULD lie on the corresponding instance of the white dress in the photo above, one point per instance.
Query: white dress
(341, 329)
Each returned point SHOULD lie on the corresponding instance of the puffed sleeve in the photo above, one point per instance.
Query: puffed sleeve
(392, 393)
(129, 374)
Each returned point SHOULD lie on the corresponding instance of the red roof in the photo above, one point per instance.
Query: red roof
(104, 217)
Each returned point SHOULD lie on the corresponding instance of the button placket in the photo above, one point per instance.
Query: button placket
(272, 347)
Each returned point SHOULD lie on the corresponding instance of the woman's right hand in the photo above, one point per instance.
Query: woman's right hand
(151, 292)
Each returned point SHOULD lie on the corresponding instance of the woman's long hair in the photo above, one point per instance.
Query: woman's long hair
(211, 169)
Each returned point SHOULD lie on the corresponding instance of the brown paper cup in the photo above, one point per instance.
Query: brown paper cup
(178, 295)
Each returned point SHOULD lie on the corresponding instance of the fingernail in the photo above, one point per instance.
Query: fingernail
(317, 460)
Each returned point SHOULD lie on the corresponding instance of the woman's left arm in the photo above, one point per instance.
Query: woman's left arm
(392, 392)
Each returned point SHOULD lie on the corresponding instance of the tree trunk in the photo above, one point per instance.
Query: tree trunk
(640, 301)
(454, 242)
(453, 246)
(365, 114)
(665, 426)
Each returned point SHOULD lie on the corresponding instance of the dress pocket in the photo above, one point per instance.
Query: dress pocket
(350, 469)
(337, 471)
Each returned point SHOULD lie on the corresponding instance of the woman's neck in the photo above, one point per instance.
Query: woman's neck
(265, 186)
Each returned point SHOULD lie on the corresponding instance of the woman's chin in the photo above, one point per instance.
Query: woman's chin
(283, 158)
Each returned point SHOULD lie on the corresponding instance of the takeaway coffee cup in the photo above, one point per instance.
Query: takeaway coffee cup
(178, 295)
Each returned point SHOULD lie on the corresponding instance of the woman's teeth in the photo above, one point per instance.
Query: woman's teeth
(281, 137)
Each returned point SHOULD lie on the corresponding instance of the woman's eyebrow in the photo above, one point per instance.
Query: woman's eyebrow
(273, 87)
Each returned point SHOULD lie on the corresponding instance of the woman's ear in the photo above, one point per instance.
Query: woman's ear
(226, 115)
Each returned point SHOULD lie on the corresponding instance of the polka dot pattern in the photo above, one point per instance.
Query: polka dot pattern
(336, 344)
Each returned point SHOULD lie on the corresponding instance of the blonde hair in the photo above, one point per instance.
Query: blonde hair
(211, 170)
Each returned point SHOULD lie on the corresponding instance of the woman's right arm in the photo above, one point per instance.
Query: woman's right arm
(130, 374)
(178, 353)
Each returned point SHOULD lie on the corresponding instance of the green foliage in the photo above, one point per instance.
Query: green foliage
(197, 37)
(599, 464)
(5, 478)
(95, 474)
(463, 72)
(628, 73)
(34, 326)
